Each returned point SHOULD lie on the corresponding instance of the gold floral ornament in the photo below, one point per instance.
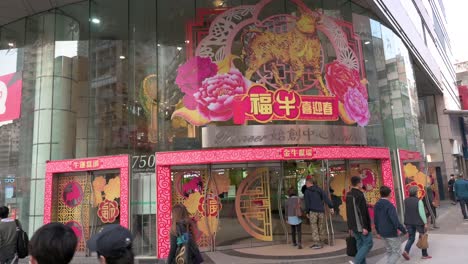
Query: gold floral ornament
(191, 203)
(112, 189)
(410, 170)
(208, 225)
(422, 178)
(98, 187)
(220, 184)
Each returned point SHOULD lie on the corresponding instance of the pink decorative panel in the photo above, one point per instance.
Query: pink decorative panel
(165, 160)
(89, 164)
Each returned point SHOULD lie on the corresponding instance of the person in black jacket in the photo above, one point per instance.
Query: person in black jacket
(387, 225)
(451, 190)
(359, 222)
(314, 198)
(183, 247)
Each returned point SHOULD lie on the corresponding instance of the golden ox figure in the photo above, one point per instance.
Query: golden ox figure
(298, 48)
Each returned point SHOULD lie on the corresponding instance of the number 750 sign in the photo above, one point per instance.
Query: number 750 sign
(143, 163)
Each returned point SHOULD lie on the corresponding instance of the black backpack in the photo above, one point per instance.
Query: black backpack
(22, 241)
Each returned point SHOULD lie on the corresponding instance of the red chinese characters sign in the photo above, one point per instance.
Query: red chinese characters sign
(263, 105)
(108, 211)
(294, 153)
(85, 164)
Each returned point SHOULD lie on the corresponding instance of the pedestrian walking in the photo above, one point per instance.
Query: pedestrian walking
(113, 245)
(431, 202)
(53, 243)
(294, 212)
(183, 247)
(387, 225)
(415, 220)
(314, 198)
(359, 223)
(451, 190)
(8, 237)
(461, 194)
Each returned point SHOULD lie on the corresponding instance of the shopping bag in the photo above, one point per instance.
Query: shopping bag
(423, 242)
(351, 246)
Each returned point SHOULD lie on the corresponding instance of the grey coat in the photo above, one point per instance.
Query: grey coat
(291, 205)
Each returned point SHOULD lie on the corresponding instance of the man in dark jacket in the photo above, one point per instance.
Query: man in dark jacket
(314, 198)
(387, 225)
(7, 237)
(359, 222)
(461, 192)
(451, 189)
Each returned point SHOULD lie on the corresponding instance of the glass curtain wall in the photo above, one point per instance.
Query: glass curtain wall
(99, 78)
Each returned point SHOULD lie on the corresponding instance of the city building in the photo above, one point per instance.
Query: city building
(120, 109)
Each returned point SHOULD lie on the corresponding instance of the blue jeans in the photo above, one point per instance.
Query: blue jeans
(412, 237)
(364, 245)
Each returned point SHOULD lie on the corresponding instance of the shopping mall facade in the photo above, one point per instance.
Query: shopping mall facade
(116, 110)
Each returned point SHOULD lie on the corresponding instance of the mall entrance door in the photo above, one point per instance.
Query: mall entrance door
(243, 205)
(233, 205)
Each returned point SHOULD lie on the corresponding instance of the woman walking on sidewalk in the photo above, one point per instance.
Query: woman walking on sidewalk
(415, 220)
(294, 211)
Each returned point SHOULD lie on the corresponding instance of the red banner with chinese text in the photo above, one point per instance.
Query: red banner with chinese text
(263, 105)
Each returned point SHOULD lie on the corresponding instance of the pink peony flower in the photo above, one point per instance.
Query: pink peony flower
(215, 97)
(339, 78)
(356, 106)
(190, 76)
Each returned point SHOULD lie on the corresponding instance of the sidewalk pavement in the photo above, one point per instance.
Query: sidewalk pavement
(448, 244)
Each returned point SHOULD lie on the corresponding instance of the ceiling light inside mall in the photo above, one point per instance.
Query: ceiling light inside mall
(96, 20)
(367, 42)
(122, 57)
(11, 44)
(179, 48)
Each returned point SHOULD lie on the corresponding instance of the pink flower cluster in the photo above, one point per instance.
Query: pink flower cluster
(211, 94)
(346, 85)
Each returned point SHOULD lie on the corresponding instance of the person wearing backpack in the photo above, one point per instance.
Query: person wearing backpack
(8, 237)
(314, 198)
(184, 249)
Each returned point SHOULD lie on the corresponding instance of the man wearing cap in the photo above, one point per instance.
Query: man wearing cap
(113, 245)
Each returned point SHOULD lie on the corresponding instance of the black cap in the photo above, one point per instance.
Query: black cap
(110, 241)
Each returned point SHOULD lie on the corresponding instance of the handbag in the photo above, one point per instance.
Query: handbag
(351, 246)
(423, 242)
(298, 208)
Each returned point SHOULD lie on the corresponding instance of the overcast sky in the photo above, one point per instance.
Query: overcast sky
(457, 19)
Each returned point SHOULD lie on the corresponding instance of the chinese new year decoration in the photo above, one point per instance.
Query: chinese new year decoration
(279, 72)
(108, 211)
